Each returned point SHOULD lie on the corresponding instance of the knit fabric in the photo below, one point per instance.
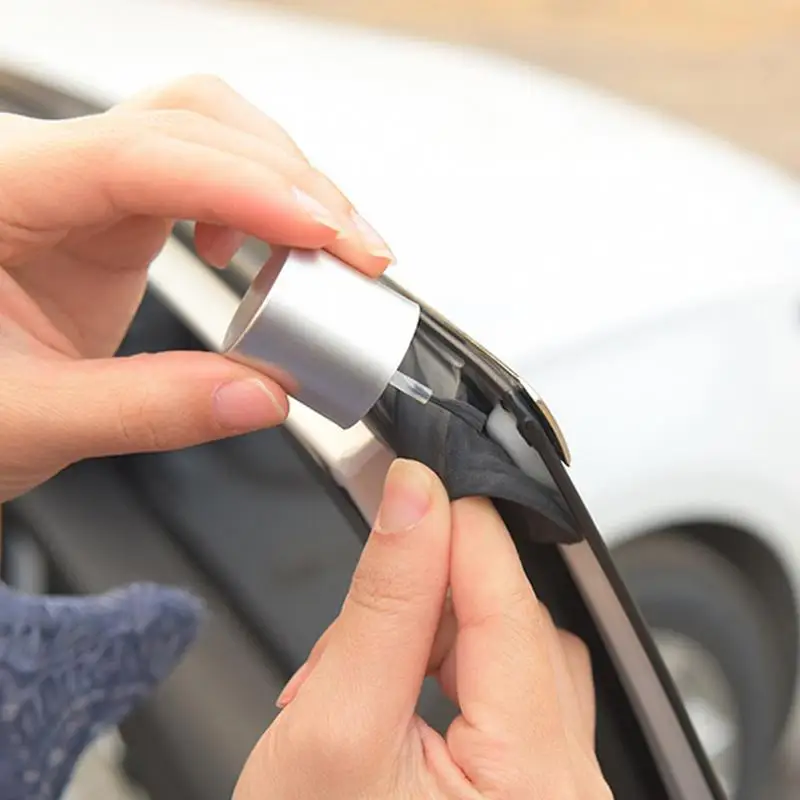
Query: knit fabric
(71, 667)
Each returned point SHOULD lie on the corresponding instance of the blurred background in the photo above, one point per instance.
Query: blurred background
(730, 66)
(717, 589)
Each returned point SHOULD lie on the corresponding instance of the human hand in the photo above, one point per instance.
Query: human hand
(348, 729)
(85, 206)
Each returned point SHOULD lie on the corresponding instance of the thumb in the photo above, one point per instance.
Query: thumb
(376, 654)
(162, 401)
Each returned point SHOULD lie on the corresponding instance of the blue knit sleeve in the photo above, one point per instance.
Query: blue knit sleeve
(71, 667)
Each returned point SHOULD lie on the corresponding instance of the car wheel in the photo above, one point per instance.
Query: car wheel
(714, 633)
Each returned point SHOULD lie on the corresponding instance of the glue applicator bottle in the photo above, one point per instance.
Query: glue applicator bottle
(332, 337)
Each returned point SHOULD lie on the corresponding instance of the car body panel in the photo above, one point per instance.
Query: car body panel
(701, 415)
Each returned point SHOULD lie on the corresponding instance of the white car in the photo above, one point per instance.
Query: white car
(642, 276)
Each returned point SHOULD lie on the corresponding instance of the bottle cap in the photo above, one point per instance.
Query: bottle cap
(332, 337)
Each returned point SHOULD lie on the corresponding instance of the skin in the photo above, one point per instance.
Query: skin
(348, 728)
(85, 206)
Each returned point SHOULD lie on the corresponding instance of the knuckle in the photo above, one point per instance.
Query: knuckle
(298, 172)
(501, 761)
(116, 141)
(193, 91)
(522, 600)
(518, 613)
(200, 92)
(106, 138)
(113, 141)
(490, 755)
(324, 184)
(383, 594)
(139, 424)
(173, 121)
(509, 777)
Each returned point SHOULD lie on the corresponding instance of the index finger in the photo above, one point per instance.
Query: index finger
(504, 672)
(358, 244)
(211, 96)
(96, 170)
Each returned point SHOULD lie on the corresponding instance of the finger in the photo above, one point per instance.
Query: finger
(217, 244)
(358, 244)
(574, 720)
(288, 181)
(441, 650)
(569, 656)
(212, 97)
(445, 640)
(91, 305)
(444, 654)
(84, 174)
(376, 658)
(579, 664)
(188, 126)
(504, 674)
(449, 777)
(152, 402)
(297, 680)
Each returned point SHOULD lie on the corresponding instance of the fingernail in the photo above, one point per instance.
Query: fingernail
(292, 687)
(406, 497)
(372, 240)
(247, 405)
(225, 246)
(317, 211)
